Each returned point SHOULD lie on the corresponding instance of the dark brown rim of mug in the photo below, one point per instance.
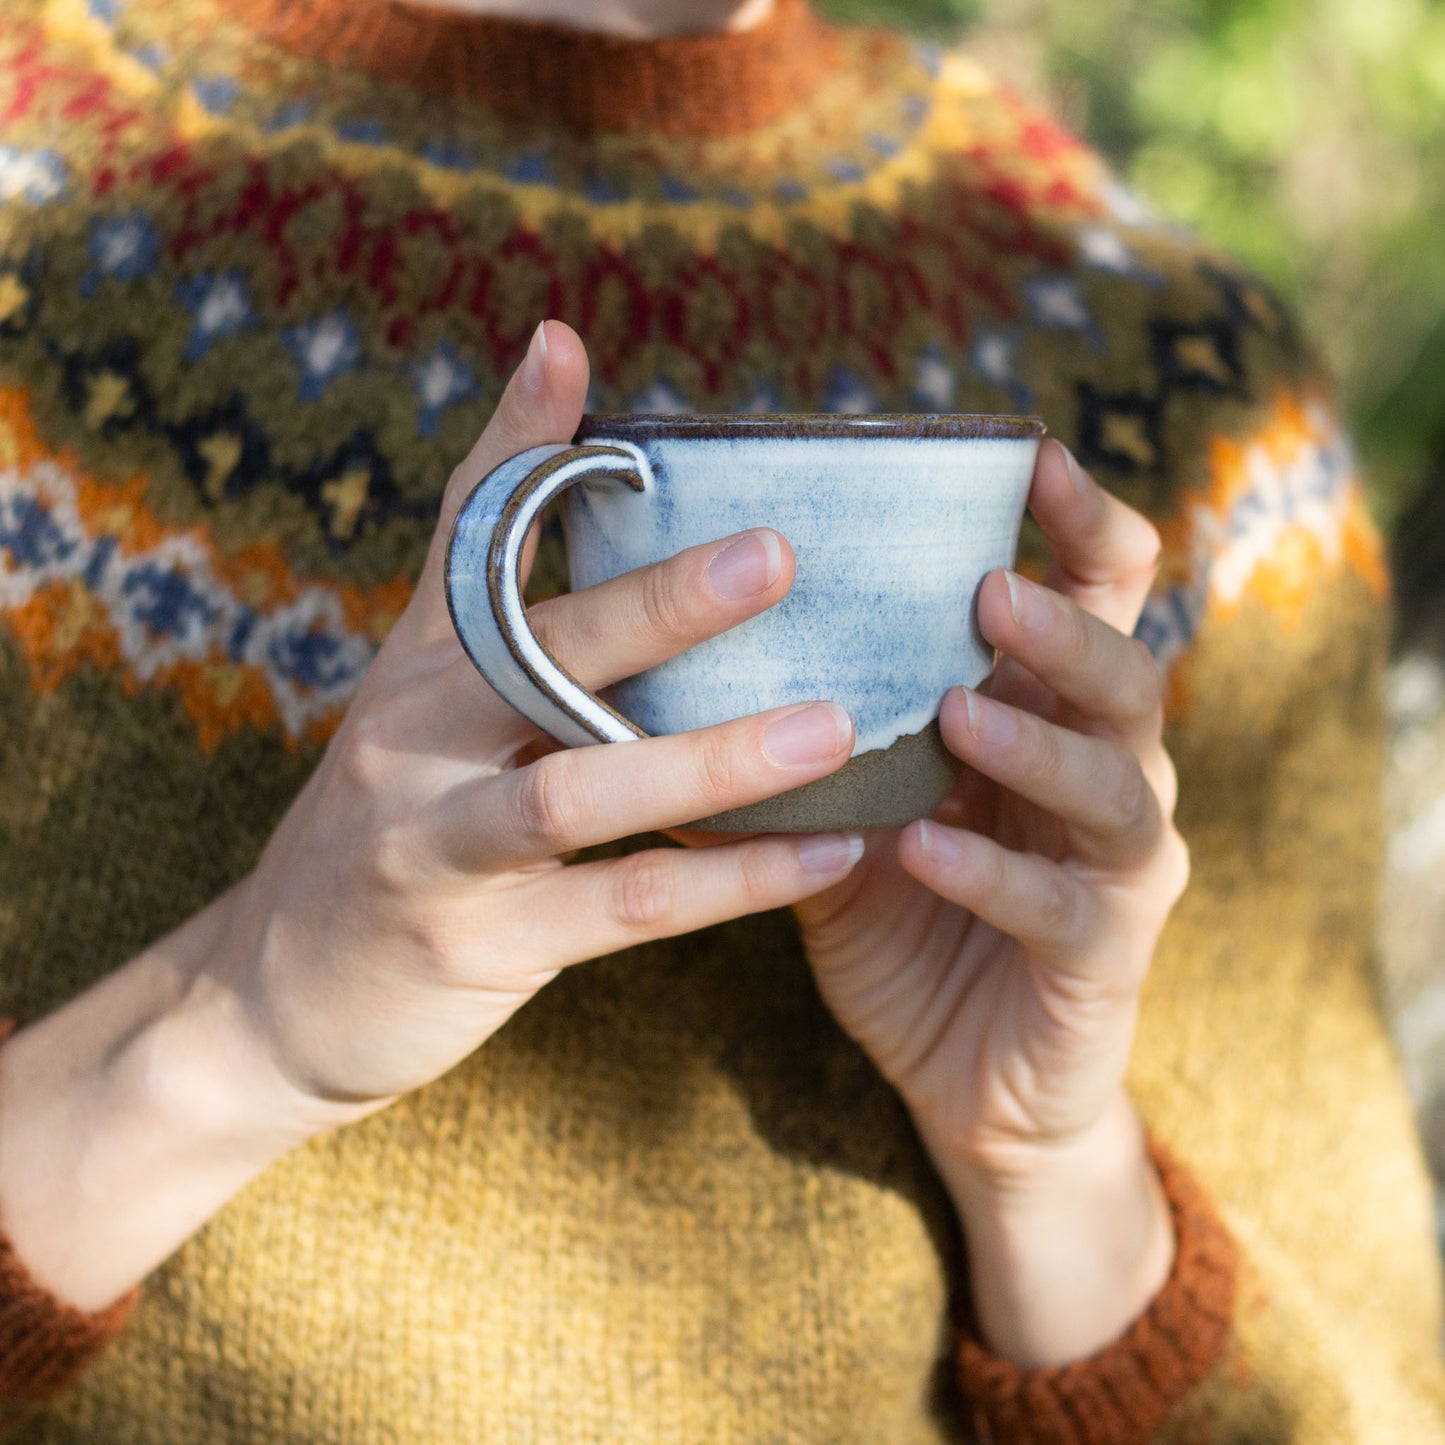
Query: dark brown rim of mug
(638, 426)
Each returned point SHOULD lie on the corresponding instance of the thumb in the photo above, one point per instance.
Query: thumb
(542, 403)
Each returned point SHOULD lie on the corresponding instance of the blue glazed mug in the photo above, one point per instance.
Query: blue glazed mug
(894, 521)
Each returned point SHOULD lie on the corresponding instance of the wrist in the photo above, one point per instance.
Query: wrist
(129, 1116)
(1068, 1242)
(1027, 1175)
(199, 1067)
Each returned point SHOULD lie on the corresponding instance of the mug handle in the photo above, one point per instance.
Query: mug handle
(485, 597)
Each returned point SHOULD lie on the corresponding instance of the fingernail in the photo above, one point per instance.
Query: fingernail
(1028, 604)
(533, 375)
(830, 853)
(812, 734)
(938, 843)
(989, 721)
(747, 566)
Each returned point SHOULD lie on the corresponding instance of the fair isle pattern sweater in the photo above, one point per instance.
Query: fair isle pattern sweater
(264, 266)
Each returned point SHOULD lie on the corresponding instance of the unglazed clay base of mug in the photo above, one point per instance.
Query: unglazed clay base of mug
(882, 789)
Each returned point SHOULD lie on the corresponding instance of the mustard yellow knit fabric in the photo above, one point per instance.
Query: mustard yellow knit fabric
(253, 306)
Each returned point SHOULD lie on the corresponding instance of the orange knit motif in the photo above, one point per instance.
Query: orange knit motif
(64, 624)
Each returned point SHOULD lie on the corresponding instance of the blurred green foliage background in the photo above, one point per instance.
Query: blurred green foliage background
(1306, 136)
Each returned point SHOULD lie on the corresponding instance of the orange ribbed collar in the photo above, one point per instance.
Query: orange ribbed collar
(587, 82)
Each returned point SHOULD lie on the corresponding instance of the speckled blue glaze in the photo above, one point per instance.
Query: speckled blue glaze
(893, 534)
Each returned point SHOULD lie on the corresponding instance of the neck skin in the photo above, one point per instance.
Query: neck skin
(634, 19)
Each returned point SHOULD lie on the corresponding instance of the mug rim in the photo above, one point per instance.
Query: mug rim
(637, 426)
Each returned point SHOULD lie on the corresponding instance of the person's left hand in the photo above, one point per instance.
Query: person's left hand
(990, 961)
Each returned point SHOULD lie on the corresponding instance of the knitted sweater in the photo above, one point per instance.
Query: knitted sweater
(264, 265)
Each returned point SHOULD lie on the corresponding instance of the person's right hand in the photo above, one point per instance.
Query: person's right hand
(411, 900)
(415, 896)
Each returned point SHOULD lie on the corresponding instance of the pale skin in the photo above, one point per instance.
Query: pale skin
(415, 896)
(638, 19)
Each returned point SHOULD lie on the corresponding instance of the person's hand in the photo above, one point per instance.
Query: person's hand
(990, 961)
(415, 896)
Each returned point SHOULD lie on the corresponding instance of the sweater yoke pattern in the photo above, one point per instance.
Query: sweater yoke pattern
(265, 266)
(343, 298)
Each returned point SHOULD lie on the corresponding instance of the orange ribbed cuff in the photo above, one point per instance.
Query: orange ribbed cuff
(45, 1344)
(1122, 1395)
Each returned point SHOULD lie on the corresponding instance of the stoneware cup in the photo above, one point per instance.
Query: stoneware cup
(895, 520)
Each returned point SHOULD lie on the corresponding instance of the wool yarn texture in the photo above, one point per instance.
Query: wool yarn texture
(264, 269)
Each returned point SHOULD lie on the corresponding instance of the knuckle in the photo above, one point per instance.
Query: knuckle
(364, 753)
(1132, 972)
(1176, 866)
(1141, 694)
(990, 875)
(1056, 912)
(393, 861)
(1167, 784)
(717, 768)
(547, 801)
(559, 629)
(463, 481)
(644, 893)
(1134, 808)
(434, 951)
(757, 873)
(453, 494)
(1075, 636)
(663, 604)
(1150, 543)
(1045, 751)
(368, 789)
(511, 431)
(459, 483)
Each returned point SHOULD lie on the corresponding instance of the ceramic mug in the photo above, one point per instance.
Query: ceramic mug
(894, 521)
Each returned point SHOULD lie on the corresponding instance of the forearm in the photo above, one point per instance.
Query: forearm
(1067, 1251)
(129, 1117)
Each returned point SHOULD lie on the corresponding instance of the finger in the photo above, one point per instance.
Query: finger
(530, 545)
(1106, 554)
(1043, 905)
(542, 403)
(1109, 680)
(597, 908)
(644, 617)
(1014, 684)
(415, 648)
(610, 632)
(600, 635)
(582, 796)
(1095, 786)
(1011, 682)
